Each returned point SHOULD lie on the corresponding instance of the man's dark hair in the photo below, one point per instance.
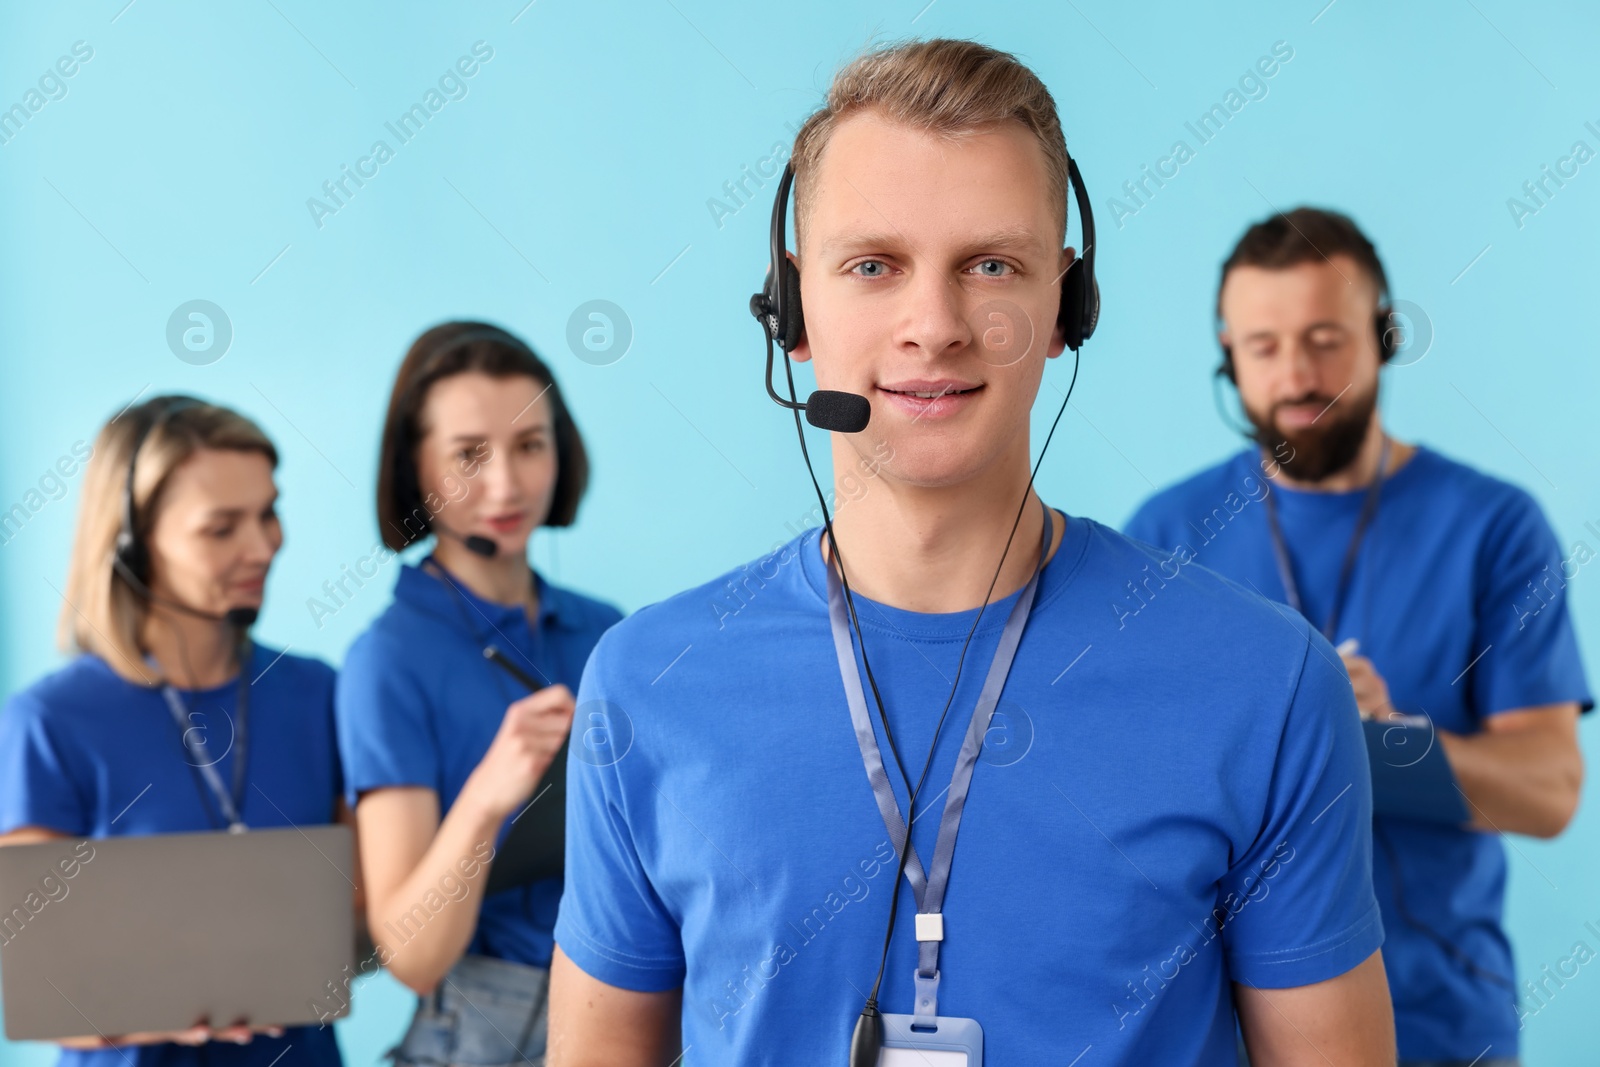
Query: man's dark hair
(1304, 235)
(456, 348)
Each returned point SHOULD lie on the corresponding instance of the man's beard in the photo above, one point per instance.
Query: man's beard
(1321, 450)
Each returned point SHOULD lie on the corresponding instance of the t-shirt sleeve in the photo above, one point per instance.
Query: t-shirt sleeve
(386, 733)
(1526, 648)
(612, 923)
(36, 786)
(1297, 906)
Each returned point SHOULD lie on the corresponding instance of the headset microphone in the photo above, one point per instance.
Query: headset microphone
(831, 409)
(241, 618)
(477, 544)
(480, 545)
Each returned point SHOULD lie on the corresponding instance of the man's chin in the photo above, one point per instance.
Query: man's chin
(1314, 452)
(1307, 458)
(931, 470)
(1306, 442)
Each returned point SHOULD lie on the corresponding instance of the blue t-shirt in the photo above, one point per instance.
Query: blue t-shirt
(1137, 791)
(85, 752)
(419, 705)
(1458, 598)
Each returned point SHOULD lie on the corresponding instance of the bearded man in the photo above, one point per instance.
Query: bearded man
(1441, 587)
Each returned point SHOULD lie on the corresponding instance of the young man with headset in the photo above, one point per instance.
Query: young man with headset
(1152, 830)
(1443, 587)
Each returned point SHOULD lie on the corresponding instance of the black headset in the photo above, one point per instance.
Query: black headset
(130, 555)
(777, 305)
(1383, 325)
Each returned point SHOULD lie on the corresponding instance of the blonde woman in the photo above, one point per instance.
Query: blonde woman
(169, 719)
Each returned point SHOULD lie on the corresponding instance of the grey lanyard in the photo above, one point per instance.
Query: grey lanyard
(1280, 549)
(228, 804)
(929, 890)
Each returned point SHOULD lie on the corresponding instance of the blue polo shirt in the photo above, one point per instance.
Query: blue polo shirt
(1152, 817)
(1459, 598)
(418, 705)
(85, 752)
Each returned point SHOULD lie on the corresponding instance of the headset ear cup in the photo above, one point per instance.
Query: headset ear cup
(1386, 327)
(131, 557)
(793, 325)
(1071, 315)
(1091, 309)
(1225, 368)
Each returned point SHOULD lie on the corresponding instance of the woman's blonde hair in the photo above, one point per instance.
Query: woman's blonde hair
(942, 86)
(102, 614)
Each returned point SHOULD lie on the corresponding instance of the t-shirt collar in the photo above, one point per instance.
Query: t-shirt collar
(418, 587)
(1250, 462)
(945, 625)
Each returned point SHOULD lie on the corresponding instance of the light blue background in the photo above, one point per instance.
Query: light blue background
(579, 167)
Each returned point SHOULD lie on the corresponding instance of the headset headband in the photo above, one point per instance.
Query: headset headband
(777, 306)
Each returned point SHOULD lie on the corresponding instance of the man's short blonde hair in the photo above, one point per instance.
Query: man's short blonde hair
(942, 86)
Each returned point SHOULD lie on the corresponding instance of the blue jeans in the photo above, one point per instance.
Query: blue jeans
(485, 1013)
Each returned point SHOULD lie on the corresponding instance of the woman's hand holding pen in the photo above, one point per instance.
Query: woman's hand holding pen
(529, 737)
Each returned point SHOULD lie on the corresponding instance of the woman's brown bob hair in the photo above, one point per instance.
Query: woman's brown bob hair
(456, 348)
(101, 613)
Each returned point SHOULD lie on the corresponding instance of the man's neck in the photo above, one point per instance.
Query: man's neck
(501, 579)
(935, 550)
(192, 653)
(1359, 472)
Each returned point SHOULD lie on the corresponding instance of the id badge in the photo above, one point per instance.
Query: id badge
(953, 1043)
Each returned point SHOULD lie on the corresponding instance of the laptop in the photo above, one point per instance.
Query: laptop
(120, 935)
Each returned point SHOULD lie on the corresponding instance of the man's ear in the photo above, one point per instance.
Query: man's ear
(801, 352)
(1058, 336)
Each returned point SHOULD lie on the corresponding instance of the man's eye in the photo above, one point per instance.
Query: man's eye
(870, 268)
(995, 268)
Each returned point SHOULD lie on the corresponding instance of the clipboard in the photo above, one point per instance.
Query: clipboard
(535, 848)
(1411, 778)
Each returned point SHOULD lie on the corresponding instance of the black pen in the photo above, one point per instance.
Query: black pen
(501, 660)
